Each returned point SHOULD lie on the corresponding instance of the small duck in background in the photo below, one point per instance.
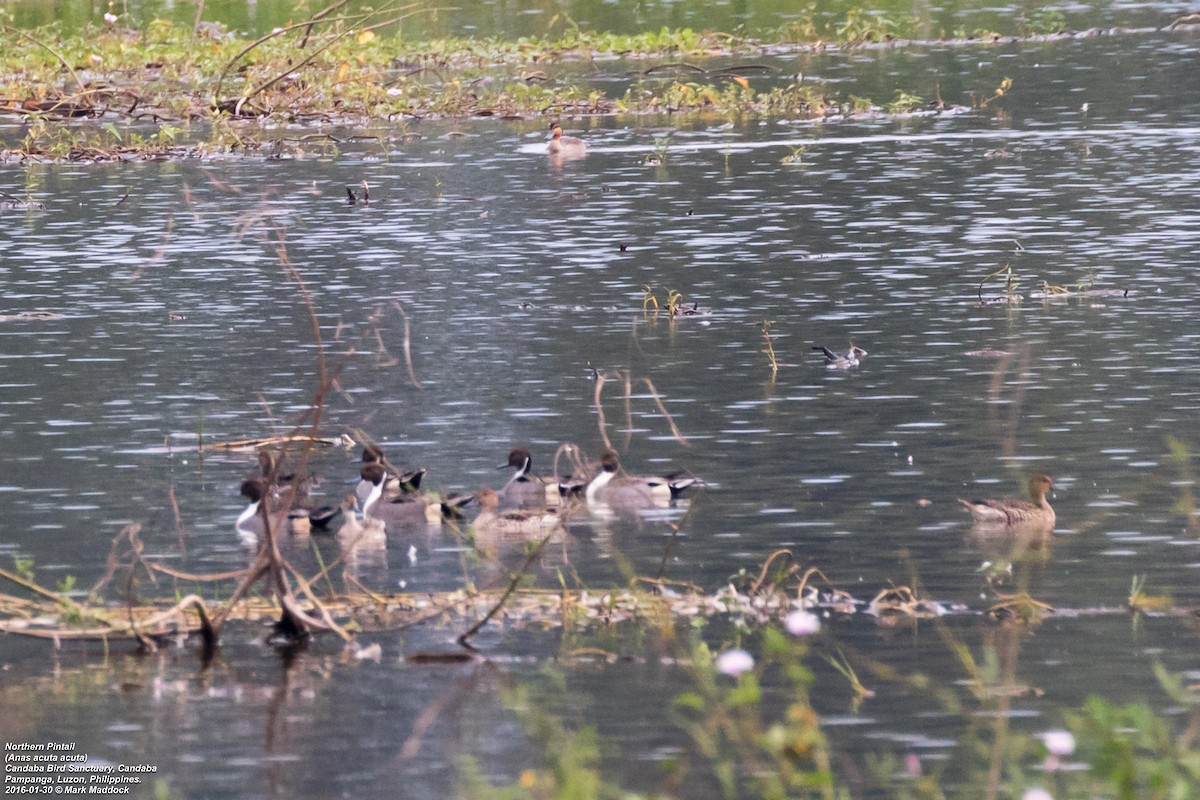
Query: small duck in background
(512, 522)
(568, 146)
(1016, 513)
(633, 491)
(834, 361)
(250, 525)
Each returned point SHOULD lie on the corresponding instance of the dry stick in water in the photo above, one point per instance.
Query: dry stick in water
(600, 380)
(670, 421)
(408, 362)
(534, 553)
(628, 406)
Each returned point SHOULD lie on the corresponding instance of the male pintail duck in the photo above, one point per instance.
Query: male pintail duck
(524, 489)
(250, 526)
(834, 361)
(368, 533)
(406, 508)
(282, 483)
(512, 522)
(406, 482)
(1016, 512)
(615, 489)
(565, 145)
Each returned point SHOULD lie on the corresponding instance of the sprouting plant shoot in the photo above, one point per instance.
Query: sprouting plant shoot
(769, 346)
(648, 298)
(1011, 281)
(795, 156)
(674, 301)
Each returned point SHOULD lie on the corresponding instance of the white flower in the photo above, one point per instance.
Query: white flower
(1037, 793)
(734, 662)
(1059, 743)
(110, 18)
(802, 623)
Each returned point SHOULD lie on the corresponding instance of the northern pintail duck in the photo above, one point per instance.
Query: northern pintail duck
(609, 487)
(406, 508)
(1016, 512)
(525, 489)
(399, 483)
(512, 522)
(283, 483)
(250, 525)
(834, 361)
(367, 533)
(565, 145)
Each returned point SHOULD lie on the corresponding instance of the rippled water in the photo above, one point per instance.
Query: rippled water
(178, 322)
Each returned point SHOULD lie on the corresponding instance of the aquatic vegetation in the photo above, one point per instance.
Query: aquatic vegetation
(176, 92)
(1011, 282)
(769, 346)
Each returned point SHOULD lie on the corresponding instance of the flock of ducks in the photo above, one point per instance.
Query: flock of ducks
(527, 505)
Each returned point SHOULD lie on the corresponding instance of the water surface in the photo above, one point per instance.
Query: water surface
(176, 322)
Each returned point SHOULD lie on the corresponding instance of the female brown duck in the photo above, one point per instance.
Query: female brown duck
(565, 145)
(1016, 512)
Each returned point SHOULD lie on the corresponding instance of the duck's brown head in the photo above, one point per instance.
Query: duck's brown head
(488, 499)
(252, 490)
(1040, 485)
(519, 458)
(372, 472)
(610, 461)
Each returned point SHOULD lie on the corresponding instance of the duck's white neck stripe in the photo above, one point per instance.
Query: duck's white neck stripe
(372, 499)
(245, 517)
(598, 483)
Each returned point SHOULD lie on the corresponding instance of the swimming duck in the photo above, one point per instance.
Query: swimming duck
(633, 490)
(565, 145)
(283, 483)
(512, 522)
(834, 361)
(367, 533)
(524, 489)
(400, 482)
(1016, 512)
(406, 508)
(250, 526)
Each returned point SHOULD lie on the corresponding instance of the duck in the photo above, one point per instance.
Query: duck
(406, 508)
(565, 145)
(283, 483)
(834, 361)
(408, 482)
(1014, 513)
(512, 522)
(607, 487)
(250, 525)
(524, 489)
(367, 533)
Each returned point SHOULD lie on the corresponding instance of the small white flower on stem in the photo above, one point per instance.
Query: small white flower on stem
(734, 662)
(802, 623)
